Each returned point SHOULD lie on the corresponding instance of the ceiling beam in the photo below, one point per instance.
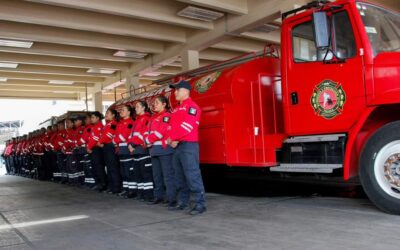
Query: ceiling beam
(45, 77)
(169, 70)
(41, 83)
(37, 95)
(259, 12)
(33, 13)
(39, 33)
(228, 6)
(155, 10)
(61, 61)
(218, 54)
(51, 49)
(240, 44)
(13, 87)
(270, 37)
(52, 70)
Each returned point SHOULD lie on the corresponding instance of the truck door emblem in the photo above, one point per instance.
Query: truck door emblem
(328, 99)
(204, 83)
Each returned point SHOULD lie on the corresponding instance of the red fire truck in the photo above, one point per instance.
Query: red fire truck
(328, 106)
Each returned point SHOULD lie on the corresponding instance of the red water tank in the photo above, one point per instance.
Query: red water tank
(242, 120)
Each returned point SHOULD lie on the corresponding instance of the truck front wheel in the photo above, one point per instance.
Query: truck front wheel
(379, 168)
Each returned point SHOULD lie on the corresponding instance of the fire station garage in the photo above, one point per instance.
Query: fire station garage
(199, 124)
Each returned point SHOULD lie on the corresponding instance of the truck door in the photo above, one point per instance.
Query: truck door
(324, 89)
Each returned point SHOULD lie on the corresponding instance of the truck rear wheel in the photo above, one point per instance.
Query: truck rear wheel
(379, 168)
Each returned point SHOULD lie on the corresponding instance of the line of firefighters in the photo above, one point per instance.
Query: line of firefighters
(152, 158)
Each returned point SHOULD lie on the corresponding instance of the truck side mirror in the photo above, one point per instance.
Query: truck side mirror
(321, 29)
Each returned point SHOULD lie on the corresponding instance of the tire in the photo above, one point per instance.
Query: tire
(382, 148)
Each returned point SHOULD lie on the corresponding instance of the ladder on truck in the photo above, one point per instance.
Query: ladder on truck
(269, 50)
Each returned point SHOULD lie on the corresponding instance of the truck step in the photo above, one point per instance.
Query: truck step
(314, 138)
(306, 168)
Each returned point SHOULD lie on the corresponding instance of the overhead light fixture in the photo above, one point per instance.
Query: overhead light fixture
(152, 74)
(61, 82)
(63, 92)
(3, 79)
(101, 71)
(14, 43)
(200, 14)
(130, 54)
(8, 65)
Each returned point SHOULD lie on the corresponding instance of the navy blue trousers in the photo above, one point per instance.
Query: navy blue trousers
(188, 174)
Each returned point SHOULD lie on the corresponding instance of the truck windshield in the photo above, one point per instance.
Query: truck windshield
(382, 27)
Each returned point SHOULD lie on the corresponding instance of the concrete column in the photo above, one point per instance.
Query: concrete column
(98, 101)
(190, 60)
(97, 97)
(132, 82)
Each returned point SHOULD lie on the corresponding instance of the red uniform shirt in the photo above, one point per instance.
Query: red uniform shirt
(59, 140)
(25, 147)
(78, 136)
(46, 141)
(85, 135)
(11, 150)
(18, 149)
(108, 132)
(68, 144)
(159, 128)
(185, 121)
(52, 141)
(8, 149)
(95, 135)
(141, 130)
(38, 145)
(123, 131)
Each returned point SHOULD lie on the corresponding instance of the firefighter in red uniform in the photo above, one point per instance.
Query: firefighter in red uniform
(142, 167)
(11, 154)
(78, 151)
(184, 138)
(27, 154)
(6, 156)
(58, 143)
(67, 175)
(47, 153)
(63, 162)
(124, 130)
(87, 162)
(53, 152)
(40, 169)
(23, 150)
(96, 152)
(110, 157)
(161, 153)
(18, 155)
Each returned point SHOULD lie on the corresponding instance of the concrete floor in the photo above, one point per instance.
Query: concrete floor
(232, 222)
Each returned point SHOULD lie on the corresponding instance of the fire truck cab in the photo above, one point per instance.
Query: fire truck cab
(341, 95)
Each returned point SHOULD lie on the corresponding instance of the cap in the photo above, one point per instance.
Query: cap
(182, 84)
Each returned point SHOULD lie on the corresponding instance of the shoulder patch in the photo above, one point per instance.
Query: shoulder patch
(113, 126)
(130, 126)
(192, 111)
(166, 119)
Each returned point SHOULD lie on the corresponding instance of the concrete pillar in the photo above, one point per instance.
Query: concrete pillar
(98, 101)
(190, 60)
(97, 97)
(132, 82)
